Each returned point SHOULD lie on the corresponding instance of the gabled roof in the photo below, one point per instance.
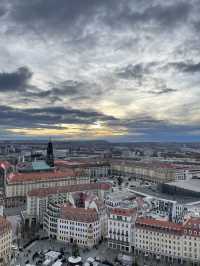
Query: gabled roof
(79, 214)
(40, 176)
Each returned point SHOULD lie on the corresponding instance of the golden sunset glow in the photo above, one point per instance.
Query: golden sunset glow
(72, 131)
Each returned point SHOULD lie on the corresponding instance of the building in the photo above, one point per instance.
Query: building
(38, 199)
(167, 200)
(81, 219)
(79, 225)
(5, 169)
(50, 155)
(168, 240)
(117, 197)
(120, 229)
(36, 166)
(93, 168)
(156, 172)
(19, 184)
(5, 241)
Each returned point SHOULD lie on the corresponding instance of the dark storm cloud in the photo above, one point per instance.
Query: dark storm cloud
(82, 42)
(161, 90)
(163, 15)
(57, 16)
(73, 16)
(2, 11)
(133, 71)
(149, 128)
(69, 89)
(141, 122)
(15, 81)
(188, 67)
(43, 117)
(140, 72)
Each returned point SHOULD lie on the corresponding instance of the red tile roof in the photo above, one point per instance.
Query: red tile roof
(79, 214)
(43, 192)
(80, 163)
(40, 176)
(192, 221)
(5, 164)
(154, 164)
(192, 226)
(123, 212)
(159, 224)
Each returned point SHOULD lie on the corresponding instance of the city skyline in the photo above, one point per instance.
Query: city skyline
(102, 69)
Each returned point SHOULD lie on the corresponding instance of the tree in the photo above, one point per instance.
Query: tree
(119, 180)
(18, 233)
(135, 263)
(75, 250)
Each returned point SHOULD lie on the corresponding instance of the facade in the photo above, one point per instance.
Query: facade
(38, 199)
(120, 229)
(94, 169)
(79, 225)
(19, 184)
(5, 241)
(168, 240)
(155, 172)
(51, 216)
(5, 169)
(80, 220)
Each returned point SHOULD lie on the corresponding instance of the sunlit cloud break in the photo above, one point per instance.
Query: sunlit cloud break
(127, 70)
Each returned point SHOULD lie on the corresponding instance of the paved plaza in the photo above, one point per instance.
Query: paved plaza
(102, 253)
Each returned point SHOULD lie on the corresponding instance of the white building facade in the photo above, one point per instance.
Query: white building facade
(120, 229)
(78, 225)
(180, 242)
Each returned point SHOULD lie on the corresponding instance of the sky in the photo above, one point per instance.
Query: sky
(119, 70)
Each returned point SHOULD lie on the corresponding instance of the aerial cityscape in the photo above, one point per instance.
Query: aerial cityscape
(99, 132)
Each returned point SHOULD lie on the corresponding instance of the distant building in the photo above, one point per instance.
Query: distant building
(155, 172)
(5, 169)
(19, 184)
(50, 155)
(94, 169)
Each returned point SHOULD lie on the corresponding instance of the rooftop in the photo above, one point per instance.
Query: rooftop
(151, 164)
(119, 195)
(159, 224)
(43, 192)
(5, 165)
(40, 176)
(80, 163)
(33, 166)
(40, 165)
(79, 214)
(192, 184)
(123, 212)
(154, 192)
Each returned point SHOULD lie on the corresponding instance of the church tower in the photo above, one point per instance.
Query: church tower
(50, 156)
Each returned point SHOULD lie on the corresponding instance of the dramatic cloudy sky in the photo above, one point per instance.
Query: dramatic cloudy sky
(122, 70)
